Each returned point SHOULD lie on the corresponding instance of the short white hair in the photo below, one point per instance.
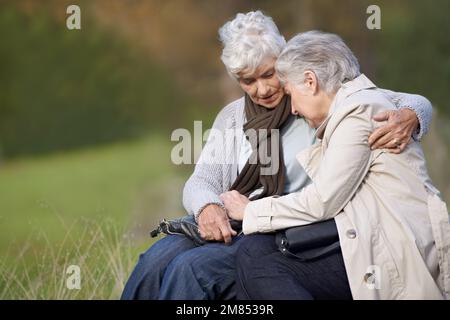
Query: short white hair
(325, 54)
(248, 40)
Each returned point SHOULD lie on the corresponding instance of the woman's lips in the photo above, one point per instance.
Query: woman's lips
(269, 98)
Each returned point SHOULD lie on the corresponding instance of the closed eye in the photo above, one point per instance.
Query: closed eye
(248, 81)
(268, 75)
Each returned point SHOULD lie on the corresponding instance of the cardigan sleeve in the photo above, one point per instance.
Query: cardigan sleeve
(213, 166)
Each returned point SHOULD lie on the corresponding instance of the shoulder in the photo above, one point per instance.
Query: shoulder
(373, 97)
(233, 108)
(365, 102)
(231, 114)
(355, 112)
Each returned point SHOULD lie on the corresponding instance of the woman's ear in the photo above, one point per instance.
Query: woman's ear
(310, 83)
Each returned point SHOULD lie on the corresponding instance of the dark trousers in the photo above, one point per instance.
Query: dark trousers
(175, 269)
(263, 272)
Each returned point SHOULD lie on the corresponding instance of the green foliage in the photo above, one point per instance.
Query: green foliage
(412, 49)
(62, 89)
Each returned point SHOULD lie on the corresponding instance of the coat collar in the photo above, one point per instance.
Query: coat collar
(347, 89)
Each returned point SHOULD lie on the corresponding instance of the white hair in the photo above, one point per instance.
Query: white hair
(248, 40)
(325, 54)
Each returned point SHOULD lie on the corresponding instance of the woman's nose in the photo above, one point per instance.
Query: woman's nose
(263, 89)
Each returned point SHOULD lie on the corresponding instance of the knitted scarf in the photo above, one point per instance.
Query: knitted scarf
(250, 177)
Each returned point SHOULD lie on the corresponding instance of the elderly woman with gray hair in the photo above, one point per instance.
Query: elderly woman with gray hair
(393, 227)
(174, 267)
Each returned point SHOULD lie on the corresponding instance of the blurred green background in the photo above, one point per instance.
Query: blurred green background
(86, 117)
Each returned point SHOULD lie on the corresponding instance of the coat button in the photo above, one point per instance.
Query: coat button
(351, 234)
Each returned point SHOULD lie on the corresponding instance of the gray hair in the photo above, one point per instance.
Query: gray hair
(325, 54)
(248, 40)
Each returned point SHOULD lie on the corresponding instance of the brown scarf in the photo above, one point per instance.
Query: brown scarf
(250, 178)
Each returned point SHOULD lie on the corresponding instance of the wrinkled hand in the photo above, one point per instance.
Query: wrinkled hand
(235, 203)
(396, 133)
(214, 225)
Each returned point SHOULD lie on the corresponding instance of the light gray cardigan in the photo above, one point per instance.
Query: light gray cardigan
(211, 178)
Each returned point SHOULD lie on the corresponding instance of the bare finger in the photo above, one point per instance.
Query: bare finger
(378, 134)
(385, 141)
(216, 233)
(204, 235)
(225, 230)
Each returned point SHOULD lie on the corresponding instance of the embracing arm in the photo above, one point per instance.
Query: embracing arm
(344, 165)
(420, 105)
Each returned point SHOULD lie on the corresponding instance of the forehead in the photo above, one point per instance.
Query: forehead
(267, 65)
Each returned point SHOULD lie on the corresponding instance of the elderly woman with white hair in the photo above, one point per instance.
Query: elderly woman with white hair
(393, 228)
(174, 267)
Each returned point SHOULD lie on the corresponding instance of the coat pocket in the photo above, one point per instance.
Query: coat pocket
(391, 282)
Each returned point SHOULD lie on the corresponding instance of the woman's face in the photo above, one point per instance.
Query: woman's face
(308, 100)
(263, 85)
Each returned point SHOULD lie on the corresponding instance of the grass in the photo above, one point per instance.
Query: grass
(92, 208)
(103, 252)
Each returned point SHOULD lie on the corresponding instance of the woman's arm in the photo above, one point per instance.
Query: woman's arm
(206, 182)
(342, 169)
(420, 105)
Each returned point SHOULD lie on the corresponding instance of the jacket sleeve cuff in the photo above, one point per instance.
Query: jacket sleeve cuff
(258, 216)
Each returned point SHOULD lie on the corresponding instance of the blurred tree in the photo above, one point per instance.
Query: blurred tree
(63, 89)
(413, 49)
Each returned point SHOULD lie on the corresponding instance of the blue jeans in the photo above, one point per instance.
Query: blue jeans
(264, 273)
(174, 268)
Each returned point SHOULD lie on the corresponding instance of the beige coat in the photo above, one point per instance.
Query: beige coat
(393, 227)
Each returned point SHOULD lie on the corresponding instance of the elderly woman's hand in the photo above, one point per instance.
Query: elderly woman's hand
(235, 203)
(396, 133)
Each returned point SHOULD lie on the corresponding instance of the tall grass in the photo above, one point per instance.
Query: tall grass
(92, 208)
(104, 252)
